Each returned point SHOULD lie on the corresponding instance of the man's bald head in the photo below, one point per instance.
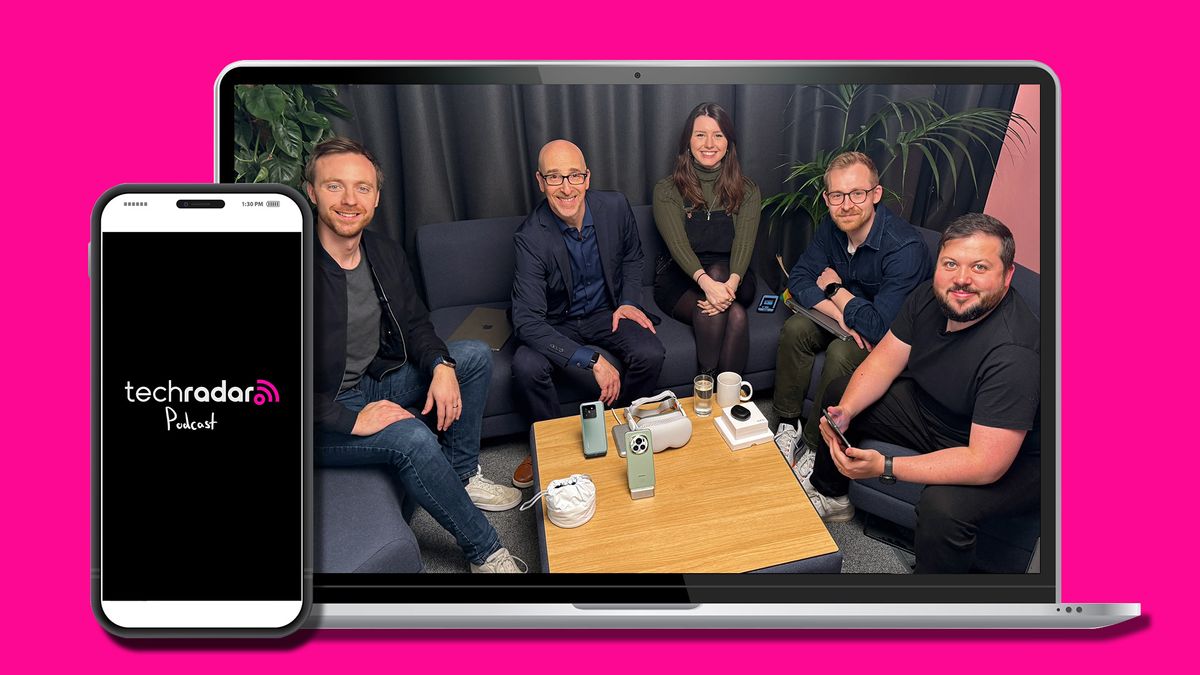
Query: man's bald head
(560, 165)
(558, 151)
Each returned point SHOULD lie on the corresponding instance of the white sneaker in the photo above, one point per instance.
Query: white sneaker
(785, 440)
(807, 458)
(830, 509)
(501, 562)
(491, 497)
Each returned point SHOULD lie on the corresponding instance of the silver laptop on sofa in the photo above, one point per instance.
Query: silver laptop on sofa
(458, 143)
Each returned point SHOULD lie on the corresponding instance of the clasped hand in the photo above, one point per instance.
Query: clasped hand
(718, 296)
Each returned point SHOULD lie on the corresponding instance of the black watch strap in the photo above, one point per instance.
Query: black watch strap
(445, 361)
(831, 289)
(888, 477)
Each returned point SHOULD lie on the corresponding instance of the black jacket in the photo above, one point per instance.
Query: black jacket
(542, 283)
(405, 331)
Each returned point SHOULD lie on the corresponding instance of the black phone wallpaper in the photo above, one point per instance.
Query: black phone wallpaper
(201, 375)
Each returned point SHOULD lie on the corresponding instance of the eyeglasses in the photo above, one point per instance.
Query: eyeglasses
(856, 196)
(556, 179)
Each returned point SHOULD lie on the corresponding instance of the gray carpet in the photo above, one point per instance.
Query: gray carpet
(518, 530)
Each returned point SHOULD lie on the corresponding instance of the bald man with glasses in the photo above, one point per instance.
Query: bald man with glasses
(578, 283)
(861, 264)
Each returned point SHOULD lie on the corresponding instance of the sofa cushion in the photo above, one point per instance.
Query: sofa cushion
(468, 263)
(359, 523)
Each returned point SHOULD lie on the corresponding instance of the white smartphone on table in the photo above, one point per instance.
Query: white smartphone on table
(201, 410)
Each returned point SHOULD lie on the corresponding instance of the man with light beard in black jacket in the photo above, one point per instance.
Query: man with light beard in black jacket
(377, 360)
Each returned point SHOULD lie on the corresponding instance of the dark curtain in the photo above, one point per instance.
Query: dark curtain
(961, 196)
(459, 152)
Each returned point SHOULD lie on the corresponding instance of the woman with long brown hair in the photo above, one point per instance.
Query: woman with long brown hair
(707, 213)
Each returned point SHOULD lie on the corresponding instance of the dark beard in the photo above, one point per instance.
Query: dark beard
(985, 305)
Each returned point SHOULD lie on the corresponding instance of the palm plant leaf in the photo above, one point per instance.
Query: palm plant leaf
(898, 128)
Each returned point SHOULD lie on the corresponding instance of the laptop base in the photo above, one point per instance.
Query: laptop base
(722, 616)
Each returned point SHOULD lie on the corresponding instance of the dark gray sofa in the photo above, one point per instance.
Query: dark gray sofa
(469, 263)
(1004, 545)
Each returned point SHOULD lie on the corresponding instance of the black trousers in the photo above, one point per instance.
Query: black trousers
(948, 516)
(638, 348)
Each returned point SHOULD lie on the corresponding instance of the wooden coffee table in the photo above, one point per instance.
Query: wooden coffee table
(713, 509)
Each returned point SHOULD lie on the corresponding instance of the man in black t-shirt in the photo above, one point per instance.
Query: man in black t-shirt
(957, 378)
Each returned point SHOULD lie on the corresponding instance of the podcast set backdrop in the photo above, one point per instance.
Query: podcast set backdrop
(100, 95)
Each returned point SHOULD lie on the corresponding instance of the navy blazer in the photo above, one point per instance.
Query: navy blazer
(541, 295)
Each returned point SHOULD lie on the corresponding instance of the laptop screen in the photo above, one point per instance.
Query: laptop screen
(673, 201)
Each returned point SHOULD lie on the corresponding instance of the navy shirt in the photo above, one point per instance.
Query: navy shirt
(587, 275)
(883, 270)
(587, 292)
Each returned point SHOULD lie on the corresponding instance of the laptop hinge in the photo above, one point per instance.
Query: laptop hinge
(636, 605)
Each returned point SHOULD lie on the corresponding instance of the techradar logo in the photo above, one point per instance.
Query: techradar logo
(261, 393)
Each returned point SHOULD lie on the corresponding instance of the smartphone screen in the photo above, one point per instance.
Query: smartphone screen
(202, 409)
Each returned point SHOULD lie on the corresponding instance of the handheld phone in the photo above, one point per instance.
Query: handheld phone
(591, 419)
(841, 437)
(640, 463)
(201, 409)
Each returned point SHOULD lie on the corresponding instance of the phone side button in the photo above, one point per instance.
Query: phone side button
(89, 260)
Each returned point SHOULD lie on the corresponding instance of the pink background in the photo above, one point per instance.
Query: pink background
(1018, 178)
(97, 97)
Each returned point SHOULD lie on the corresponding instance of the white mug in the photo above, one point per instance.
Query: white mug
(732, 389)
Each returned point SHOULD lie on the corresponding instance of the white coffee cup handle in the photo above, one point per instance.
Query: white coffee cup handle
(745, 397)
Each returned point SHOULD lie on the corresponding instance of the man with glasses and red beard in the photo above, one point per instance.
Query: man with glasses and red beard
(861, 264)
(958, 379)
(578, 282)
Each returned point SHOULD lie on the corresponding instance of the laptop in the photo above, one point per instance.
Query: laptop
(822, 320)
(458, 142)
(487, 324)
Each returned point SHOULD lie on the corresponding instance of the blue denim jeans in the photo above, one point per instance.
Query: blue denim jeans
(433, 468)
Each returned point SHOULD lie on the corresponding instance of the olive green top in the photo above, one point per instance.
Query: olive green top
(669, 218)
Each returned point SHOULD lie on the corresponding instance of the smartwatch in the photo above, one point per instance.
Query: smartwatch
(832, 289)
(445, 361)
(594, 361)
(887, 478)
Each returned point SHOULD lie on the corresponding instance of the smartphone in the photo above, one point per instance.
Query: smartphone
(591, 420)
(639, 463)
(841, 437)
(201, 410)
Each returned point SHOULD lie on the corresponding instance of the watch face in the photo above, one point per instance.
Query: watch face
(449, 361)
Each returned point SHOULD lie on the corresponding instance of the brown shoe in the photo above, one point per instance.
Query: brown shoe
(523, 476)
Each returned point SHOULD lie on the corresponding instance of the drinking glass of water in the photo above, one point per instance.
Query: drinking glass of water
(702, 402)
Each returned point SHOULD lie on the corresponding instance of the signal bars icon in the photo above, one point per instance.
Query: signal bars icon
(265, 393)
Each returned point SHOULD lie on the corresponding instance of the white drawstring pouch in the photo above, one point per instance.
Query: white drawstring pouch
(570, 502)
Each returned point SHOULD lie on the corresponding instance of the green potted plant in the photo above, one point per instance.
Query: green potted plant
(900, 128)
(276, 127)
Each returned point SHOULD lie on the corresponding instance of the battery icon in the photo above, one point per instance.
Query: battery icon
(272, 203)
